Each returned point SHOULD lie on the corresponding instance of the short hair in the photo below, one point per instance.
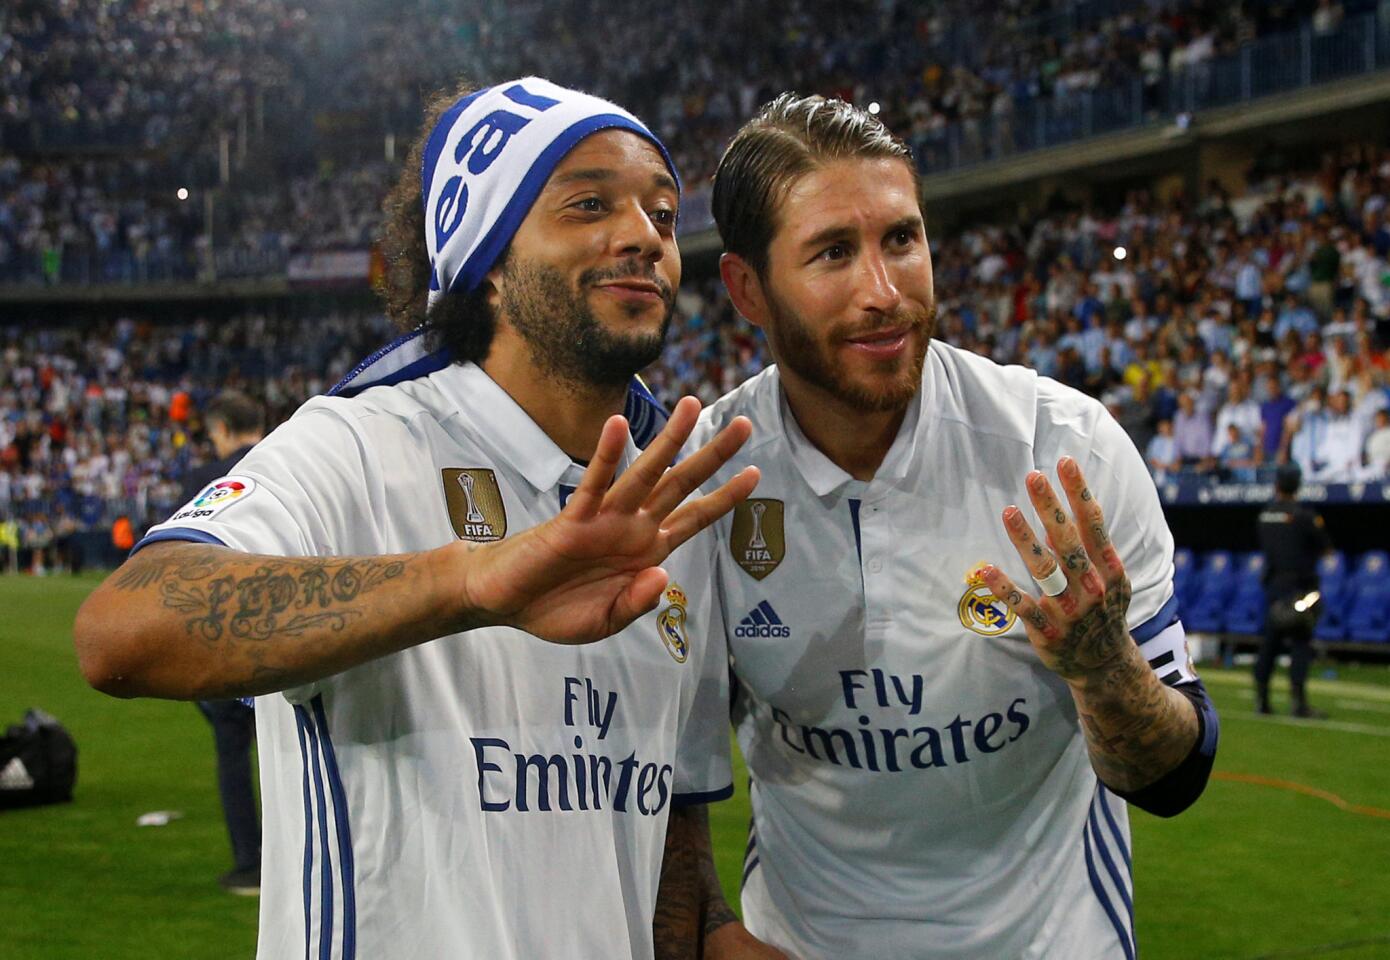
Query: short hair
(790, 136)
(239, 412)
(462, 322)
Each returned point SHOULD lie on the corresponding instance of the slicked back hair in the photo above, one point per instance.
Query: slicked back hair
(790, 136)
(462, 322)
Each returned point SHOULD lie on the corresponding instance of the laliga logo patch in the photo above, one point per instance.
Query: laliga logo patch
(758, 539)
(217, 497)
(476, 510)
(980, 610)
(671, 624)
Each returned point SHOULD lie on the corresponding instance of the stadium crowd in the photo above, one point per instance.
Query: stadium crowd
(163, 77)
(1227, 336)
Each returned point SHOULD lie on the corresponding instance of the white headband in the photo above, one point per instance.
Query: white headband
(488, 159)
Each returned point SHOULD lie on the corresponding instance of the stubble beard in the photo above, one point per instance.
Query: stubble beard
(797, 349)
(566, 339)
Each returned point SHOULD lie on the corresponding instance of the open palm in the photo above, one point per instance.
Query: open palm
(592, 570)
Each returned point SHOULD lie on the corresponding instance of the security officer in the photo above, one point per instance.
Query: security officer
(1292, 538)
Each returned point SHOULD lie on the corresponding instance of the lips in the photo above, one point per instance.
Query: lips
(635, 290)
(882, 344)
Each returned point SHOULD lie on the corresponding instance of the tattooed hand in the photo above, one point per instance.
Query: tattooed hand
(1136, 728)
(1081, 630)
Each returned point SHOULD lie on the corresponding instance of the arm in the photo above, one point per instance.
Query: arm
(692, 918)
(1137, 730)
(189, 621)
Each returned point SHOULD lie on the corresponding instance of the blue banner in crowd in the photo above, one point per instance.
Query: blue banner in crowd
(1199, 492)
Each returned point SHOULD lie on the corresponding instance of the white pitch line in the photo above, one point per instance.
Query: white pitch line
(1356, 706)
(1338, 725)
(1344, 688)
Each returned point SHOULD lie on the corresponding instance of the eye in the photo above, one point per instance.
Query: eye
(664, 217)
(903, 237)
(589, 205)
(833, 253)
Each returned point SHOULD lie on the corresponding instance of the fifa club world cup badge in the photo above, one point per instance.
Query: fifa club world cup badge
(671, 624)
(476, 510)
(758, 540)
(980, 610)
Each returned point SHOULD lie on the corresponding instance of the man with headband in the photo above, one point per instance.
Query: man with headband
(940, 748)
(478, 692)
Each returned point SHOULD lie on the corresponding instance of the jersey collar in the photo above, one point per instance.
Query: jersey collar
(825, 477)
(505, 431)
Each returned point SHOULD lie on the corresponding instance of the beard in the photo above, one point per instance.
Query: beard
(894, 383)
(565, 338)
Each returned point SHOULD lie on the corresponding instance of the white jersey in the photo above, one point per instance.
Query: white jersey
(920, 784)
(486, 794)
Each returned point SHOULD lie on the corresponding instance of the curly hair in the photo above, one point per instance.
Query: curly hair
(461, 322)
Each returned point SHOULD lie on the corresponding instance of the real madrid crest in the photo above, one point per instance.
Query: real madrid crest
(758, 539)
(476, 510)
(671, 624)
(980, 610)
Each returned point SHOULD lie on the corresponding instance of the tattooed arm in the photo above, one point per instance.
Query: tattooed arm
(191, 621)
(693, 920)
(1137, 729)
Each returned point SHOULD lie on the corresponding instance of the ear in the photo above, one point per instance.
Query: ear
(745, 288)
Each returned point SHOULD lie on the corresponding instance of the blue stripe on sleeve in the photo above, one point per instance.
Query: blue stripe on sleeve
(188, 534)
(710, 796)
(1167, 616)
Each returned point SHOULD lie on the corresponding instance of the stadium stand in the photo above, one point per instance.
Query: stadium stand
(1333, 587)
(176, 144)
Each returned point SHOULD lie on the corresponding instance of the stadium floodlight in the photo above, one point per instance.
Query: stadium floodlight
(874, 107)
(1121, 253)
(183, 193)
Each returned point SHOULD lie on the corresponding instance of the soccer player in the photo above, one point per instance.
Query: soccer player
(940, 751)
(410, 575)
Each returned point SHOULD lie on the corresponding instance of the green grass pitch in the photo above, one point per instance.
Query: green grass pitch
(1273, 862)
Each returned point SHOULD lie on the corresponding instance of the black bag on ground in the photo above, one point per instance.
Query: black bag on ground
(38, 763)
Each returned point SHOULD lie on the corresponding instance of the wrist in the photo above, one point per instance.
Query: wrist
(1114, 675)
(456, 570)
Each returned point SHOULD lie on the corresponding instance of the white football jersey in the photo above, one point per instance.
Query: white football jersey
(920, 783)
(486, 794)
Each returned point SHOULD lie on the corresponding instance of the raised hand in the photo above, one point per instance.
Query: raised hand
(595, 568)
(1082, 628)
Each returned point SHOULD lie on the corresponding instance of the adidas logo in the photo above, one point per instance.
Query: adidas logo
(762, 621)
(15, 776)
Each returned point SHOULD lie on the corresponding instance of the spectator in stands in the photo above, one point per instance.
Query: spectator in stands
(1378, 447)
(1238, 412)
(1274, 411)
(235, 423)
(1162, 453)
(1237, 457)
(1342, 442)
(1192, 433)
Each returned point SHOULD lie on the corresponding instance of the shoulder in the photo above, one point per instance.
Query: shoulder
(1011, 401)
(757, 398)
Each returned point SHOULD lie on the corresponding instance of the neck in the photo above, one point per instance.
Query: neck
(572, 414)
(854, 440)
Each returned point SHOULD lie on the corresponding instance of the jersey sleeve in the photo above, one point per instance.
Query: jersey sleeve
(293, 495)
(703, 769)
(299, 492)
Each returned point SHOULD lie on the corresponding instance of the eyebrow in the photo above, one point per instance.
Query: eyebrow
(841, 232)
(661, 180)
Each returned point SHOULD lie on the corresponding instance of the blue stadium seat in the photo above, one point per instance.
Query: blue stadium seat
(1368, 612)
(1215, 585)
(1246, 611)
(1334, 585)
(1184, 579)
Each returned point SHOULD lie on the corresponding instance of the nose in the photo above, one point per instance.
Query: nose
(635, 235)
(876, 288)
